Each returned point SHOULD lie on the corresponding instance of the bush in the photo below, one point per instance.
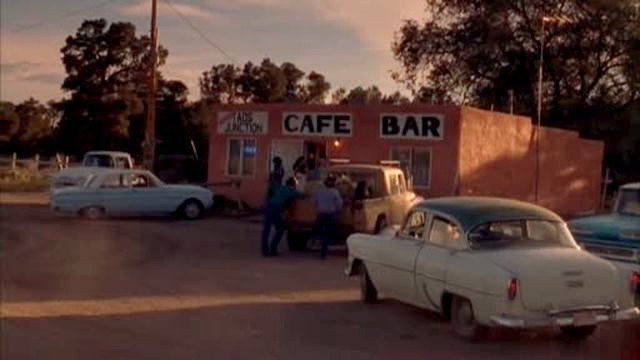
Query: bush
(22, 180)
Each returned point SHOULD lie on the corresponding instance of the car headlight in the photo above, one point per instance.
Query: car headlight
(630, 234)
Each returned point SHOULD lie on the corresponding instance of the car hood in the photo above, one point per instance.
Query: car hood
(610, 223)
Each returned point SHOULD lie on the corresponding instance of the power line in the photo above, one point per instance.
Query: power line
(200, 33)
(60, 17)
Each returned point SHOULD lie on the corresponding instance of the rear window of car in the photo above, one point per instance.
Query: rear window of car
(537, 233)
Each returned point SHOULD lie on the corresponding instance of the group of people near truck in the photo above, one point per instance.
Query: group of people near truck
(326, 200)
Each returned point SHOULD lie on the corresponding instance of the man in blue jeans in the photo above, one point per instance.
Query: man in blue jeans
(281, 199)
(328, 204)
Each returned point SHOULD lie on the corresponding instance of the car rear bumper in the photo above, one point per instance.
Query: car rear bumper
(590, 315)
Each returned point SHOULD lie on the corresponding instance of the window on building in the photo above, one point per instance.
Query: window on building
(241, 157)
(415, 162)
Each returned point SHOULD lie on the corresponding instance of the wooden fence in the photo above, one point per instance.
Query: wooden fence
(36, 163)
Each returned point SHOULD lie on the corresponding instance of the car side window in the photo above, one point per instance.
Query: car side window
(394, 186)
(122, 163)
(445, 233)
(112, 181)
(414, 226)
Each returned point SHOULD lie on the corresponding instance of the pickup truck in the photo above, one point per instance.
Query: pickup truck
(614, 236)
(374, 197)
(91, 160)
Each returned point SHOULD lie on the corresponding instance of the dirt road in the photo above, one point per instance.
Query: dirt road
(168, 289)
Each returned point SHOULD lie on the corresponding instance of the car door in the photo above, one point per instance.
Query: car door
(396, 276)
(443, 240)
(148, 197)
(114, 194)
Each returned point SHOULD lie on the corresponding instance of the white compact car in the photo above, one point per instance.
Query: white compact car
(485, 262)
(127, 192)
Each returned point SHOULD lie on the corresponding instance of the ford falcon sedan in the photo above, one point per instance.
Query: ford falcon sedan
(126, 192)
(488, 262)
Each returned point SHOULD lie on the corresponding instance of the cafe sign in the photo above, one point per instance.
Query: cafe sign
(412, 126)
(317, 124)
(243, 122)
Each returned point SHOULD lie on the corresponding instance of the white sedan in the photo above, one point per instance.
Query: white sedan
(130, 192)
(486, 262)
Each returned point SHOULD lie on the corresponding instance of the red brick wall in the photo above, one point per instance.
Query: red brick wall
(498, 155)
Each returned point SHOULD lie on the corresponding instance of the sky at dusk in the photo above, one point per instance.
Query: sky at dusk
(346, 40)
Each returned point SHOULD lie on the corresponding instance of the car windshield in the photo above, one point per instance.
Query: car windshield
(515, 233)
(98, 161)
(628, 202)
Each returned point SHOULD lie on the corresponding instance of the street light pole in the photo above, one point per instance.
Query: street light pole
(539, 120)
(149, 146)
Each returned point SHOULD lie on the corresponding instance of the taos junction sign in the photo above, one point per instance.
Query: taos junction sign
(317, 124)
(243, 122)
(412, 126)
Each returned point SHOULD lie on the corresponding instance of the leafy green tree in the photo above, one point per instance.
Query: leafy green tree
(106, 83)
(477, 51)
(9, 123)
(264, 83)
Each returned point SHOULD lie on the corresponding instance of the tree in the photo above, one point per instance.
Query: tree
(221, 84)
(316, 89)
(266, 83)
(9, 123)
(477, 51)
(106, 81)
(26, 126)
(172, 126)
(36, 123)
(362, 96)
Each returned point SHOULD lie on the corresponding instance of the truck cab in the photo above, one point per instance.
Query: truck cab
(374, 198)
(93, 159)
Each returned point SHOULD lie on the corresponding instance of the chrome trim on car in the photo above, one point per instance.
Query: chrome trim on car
(565, 317)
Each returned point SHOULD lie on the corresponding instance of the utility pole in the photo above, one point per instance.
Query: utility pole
(149, 146)
(539, 120)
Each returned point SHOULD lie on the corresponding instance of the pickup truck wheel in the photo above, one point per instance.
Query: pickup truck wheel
(381, 224)
(296, 240)
(578, 332)
(92, 212)
(191, 209)
(464, 321)
(368, 292)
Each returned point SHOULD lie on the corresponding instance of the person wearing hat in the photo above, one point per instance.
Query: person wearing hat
(328, 204)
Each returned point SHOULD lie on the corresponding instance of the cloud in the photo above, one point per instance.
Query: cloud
(142, 9)
(17, 67)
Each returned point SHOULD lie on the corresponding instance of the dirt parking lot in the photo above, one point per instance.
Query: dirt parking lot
(169, 289)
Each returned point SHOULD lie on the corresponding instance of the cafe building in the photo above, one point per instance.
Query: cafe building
(444, 150)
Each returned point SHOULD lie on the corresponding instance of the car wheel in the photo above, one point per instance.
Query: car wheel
(464, 321)
(191, 209)
(368, 291)
(381, 224)
(297, 240)
(578, 332)
(92, 212)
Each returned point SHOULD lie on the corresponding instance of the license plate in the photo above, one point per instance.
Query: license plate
(584, 318)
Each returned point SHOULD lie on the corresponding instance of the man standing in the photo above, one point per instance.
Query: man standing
(276, 176)
(328, 204)
(281, 199)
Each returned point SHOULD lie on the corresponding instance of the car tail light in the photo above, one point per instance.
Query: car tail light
(512, 289)
(635, 281)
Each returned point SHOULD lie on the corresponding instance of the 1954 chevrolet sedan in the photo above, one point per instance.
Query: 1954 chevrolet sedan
(485, 262)
(129, 192)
